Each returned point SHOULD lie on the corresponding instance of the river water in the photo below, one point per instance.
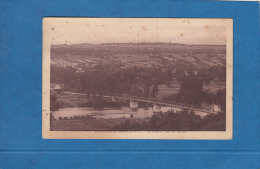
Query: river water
(107, 113)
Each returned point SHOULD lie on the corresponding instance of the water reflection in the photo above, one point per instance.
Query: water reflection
(107, 113)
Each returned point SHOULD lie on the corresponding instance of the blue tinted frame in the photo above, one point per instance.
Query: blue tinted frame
(21, 142)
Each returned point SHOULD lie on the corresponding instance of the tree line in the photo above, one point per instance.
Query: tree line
(142, 81)
(177, 121)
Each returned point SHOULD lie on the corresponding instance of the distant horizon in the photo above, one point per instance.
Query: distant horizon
(140, 43)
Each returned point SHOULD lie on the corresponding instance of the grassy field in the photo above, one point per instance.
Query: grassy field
(165, 91)
(72, 100)
(213, 87)
(208, 55)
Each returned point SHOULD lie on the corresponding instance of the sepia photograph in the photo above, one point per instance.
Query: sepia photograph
(137, 78)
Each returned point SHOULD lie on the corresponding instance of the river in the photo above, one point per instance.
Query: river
(107, 113)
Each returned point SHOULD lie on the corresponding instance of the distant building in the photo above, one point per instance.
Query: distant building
(133, 105)
(93, 65)
(55, 87)
(79, 70)
(54, 64)
(212, 108)
(167, 58)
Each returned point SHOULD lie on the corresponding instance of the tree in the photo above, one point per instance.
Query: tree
(54, 104)
(220, 98)
(191, 90)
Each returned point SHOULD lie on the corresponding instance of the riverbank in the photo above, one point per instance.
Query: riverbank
(91, 124)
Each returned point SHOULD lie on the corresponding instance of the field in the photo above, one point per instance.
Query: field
(72, 101)
(213, 87)
(200, 56)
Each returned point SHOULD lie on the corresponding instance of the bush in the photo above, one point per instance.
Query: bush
(180, 121)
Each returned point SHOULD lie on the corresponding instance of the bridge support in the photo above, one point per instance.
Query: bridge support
(157, 109)
(133, 105)
(113, 98)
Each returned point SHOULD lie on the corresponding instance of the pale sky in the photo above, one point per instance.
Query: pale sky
(135, 30)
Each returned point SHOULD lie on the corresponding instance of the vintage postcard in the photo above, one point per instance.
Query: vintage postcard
(137, 78)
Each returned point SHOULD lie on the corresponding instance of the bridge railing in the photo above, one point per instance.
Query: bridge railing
(147, 99)
(156, 100)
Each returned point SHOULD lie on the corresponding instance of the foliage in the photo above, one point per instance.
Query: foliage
(180, 121)
(111, 79)
(54, 104)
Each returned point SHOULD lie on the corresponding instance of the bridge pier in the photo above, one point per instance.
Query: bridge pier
(133, 105)
(157, 109)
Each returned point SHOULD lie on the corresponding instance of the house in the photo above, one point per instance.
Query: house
(55, 64)
(133, 105)
(79, 70)
(212, 108)
(93, 65)
(55, 87)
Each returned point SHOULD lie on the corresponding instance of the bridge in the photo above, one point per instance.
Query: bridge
(150, 100)
(158, 102)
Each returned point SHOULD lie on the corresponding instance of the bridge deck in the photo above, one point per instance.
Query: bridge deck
(151, 100)
(161, 102)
